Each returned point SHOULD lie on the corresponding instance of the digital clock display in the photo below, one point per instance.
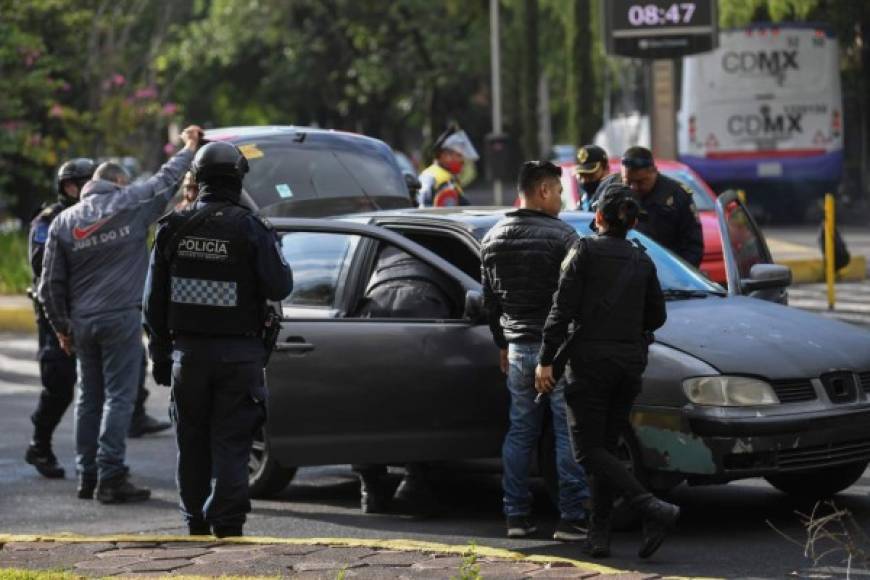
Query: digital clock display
(659, 28)
(634, 14)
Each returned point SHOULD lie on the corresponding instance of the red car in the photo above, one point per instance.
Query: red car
(713, 264)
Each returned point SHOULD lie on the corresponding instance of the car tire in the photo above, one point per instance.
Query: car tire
(819, 483)
(266, 477)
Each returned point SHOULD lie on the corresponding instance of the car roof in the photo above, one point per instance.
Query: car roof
(476, 219)
(246, 132)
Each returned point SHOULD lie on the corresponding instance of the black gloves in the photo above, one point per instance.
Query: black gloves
(161, 362)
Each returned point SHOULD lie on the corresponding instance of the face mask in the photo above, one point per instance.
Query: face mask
(455, 167)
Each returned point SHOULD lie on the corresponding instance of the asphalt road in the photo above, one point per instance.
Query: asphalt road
(724, 531)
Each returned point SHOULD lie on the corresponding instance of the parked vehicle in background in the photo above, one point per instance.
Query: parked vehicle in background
(764, 112)
(306, 172)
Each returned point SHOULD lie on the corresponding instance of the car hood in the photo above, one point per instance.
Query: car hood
(743, 335)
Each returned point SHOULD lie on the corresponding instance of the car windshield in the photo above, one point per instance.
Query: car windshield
(674, 274)
(699, 195)
(286, 168)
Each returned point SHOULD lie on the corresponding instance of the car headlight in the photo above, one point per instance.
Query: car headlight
(725, 391)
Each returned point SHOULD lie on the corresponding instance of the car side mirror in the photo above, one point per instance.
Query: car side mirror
(766, 277)
(474, 309)
(412, 183)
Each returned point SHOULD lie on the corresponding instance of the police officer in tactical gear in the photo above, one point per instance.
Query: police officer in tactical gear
(592, 168)
(213, 267)
(609, 294)
(668, 214)
(57, 369)
(402, 286)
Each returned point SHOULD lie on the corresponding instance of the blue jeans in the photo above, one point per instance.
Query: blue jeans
(521, 441)
(110, 354)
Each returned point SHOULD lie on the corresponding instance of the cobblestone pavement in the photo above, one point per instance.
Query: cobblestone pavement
(292, 559)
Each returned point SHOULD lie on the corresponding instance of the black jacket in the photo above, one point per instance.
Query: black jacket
(670, 217)
(590, 272)
(520, 259)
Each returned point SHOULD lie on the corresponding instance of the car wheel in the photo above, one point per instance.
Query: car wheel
(820, 483)
(266, 476)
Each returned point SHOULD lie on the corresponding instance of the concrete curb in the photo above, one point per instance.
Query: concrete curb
(395, 545)
(17, 319)
(812, 270)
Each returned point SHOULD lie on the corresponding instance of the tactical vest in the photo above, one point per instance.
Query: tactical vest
(213, 286)
(446, 192)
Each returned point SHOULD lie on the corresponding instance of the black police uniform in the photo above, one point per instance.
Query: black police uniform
(205, 302)
(57, 370)
(607, 354)
(669, 216)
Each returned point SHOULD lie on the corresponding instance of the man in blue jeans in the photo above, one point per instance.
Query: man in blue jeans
(93, 275)
(521, 259)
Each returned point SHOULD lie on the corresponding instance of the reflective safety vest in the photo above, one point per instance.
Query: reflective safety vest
(446, 192)
(213, 283)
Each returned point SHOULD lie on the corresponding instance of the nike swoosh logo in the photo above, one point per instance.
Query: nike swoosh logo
(81, 233)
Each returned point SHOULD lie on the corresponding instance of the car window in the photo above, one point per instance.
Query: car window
(401, 286)
(699, 194)
(299, 173)
(746, 243)
(673, 272)
(319, 262)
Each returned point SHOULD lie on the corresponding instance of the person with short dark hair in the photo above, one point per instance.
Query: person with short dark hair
(520, 270)
(610, 295)
(93, 274)
(668, 214)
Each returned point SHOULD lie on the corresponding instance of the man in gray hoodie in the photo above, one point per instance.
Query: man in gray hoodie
(93, 275)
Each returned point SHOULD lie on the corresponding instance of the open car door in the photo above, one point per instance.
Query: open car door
(345, 388)
(748, 262)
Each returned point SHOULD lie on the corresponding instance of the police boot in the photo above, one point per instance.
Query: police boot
(87, 485)
(373, 495)
(228, 531)
(119, 490)
(598, 541)
(414, 494)
(42, 458)
(659, 517)
(145, 424)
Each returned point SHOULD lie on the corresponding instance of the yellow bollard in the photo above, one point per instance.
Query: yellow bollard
(829, 249)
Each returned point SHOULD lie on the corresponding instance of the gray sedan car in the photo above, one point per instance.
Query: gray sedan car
(738, 385)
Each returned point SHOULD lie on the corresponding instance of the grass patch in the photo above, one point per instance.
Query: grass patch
(14, 264)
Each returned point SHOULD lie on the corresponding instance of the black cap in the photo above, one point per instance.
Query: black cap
(612, 199)
(79, 170)
(638, 158)
(591, 158)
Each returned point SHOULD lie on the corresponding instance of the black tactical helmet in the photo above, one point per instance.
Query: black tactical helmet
(218, 158)
(78, 170)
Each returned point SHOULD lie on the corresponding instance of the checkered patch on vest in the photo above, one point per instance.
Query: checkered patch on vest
(204, 292)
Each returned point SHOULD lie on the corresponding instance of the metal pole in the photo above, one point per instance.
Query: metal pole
(495, 60)
(829, 249)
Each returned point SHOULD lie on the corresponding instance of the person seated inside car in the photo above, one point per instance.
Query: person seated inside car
(401, 286)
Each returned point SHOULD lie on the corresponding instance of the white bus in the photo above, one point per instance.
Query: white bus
(764, 111)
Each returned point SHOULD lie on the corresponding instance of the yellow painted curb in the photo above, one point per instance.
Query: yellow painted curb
(398, 545)
(809, 271)
(17, 320)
